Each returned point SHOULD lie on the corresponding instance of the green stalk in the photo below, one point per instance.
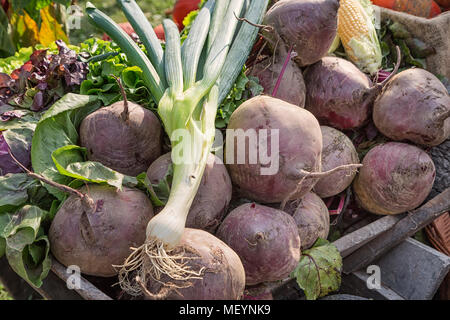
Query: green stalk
(241, 47)
(146, 34)
(193, 46)
(216, 21)
(130, 48)
(172, 58)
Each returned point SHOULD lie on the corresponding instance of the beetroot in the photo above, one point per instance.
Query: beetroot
(338, 93)
(337, 150)
(414, 106)
(212, 198)
(124, 136)
(312, 218)
(223, 276)
(395, 177)
(97, 239)
(299, 148)
(308, 26)
(291, 86)
(265, 239)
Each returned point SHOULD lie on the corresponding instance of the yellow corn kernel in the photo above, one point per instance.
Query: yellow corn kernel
(358, 36)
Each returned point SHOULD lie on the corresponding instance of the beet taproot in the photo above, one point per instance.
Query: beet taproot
(97, 239)
(222, 277)
(312, 218)
(123, 136)
(266, 240)
(396, 177)
(338, 93)
(289, 87)
(307, 26)
(414, 106)
(337, 150)
(295, 144)
(213, 196)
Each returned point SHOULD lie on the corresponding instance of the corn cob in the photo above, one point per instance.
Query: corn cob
(358, 35)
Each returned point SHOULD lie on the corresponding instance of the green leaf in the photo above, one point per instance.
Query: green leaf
(65, 160)
(58, 128)
(26, 247)
(319, 270)
(2, 247)
(14, 191)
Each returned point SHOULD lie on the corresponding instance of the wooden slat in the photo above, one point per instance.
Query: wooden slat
(406, 227)
(87, 290)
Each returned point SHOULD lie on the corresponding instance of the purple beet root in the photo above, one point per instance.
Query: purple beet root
(312, 218)
(308, 26)
(337, 150)
(222, 278)
(299, 144)
(338, 93)
(127, 143)
(97, 240)
(414, 106)
(266, 240)
(291, 87)
(396, 177)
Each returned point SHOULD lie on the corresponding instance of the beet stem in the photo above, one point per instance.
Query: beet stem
(262, 26)
(396, 67)
(88, 200)
(307, 174)
(124, 114)
(283, 70)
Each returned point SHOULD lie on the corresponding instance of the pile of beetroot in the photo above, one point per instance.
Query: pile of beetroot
(245, 228)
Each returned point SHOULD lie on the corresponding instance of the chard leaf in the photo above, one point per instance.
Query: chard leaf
(144, 182)
(25, 245)
(65, 160)
(14, 191)
(58, 128)
(319, 270)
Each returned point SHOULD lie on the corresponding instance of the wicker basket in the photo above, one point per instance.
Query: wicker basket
(438, 233)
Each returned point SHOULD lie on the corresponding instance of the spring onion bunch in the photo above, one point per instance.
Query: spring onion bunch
(188, 82)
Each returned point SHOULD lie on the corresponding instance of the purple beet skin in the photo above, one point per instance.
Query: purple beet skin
(338, 93)
(266, 240)
(395, 177)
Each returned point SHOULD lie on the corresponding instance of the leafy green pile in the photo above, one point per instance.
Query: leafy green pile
(414, 51)
(100, 80)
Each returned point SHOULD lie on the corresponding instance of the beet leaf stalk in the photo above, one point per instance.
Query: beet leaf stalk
(193, 74)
